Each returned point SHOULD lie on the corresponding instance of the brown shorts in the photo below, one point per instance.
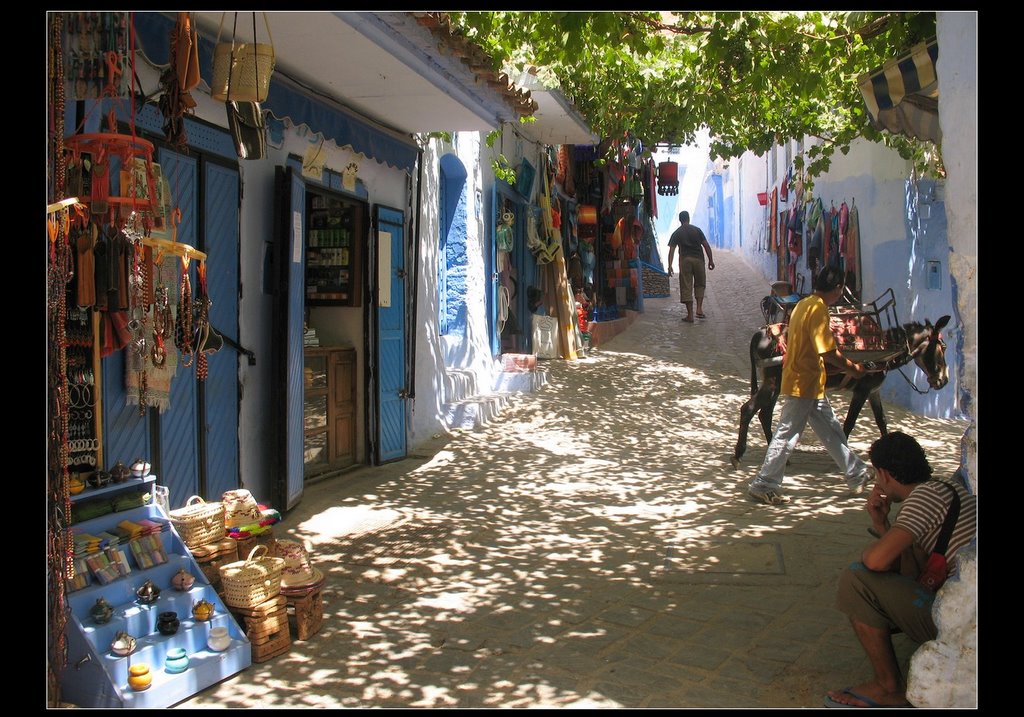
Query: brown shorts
(692, 279)
(887, 600)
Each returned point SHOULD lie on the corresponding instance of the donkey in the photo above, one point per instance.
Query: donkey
(921, 343)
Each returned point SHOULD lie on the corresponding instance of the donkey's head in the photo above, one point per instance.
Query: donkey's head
(929, 351)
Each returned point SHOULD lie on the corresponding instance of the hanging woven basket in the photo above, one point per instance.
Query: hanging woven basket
(242, 70)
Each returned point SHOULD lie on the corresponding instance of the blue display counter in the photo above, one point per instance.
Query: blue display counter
(96, 677)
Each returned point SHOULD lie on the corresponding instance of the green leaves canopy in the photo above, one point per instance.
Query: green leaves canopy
(751, 78)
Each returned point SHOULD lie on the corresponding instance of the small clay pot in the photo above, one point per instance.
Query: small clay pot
(219, 639)
(168, 623)
(139, 677)
(176, 660)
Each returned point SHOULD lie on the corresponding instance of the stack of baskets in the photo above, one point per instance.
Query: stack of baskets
(252, 581)
(199, 523)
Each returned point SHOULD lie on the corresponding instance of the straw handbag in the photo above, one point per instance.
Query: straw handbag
(199, 523)
(241, 70)
(240, 508)
(252, 581)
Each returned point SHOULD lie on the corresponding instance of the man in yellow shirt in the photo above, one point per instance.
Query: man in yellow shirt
(810, 345)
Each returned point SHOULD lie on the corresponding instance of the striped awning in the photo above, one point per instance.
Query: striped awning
(902, 95)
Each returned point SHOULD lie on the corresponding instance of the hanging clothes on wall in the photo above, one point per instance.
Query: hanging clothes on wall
(773, 236)
(835, 257)
(816, 240)
(852, 252)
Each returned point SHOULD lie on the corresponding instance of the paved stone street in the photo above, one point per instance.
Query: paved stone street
(592, 547)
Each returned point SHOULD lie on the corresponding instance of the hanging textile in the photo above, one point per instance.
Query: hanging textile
(835, 258)
(773, 236)
(852, 252)
(162, 359)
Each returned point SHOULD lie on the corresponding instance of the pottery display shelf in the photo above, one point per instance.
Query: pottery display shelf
(132, 483)
(96, 677)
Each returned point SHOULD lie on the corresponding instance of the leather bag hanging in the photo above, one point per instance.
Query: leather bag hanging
(245, 118)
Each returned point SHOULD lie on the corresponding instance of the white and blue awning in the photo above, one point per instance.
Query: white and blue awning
(902, 96)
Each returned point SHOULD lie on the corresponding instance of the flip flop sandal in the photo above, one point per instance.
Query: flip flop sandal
(701, 316)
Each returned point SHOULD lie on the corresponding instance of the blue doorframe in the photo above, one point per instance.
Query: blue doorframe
(388, 279)
(288, 357)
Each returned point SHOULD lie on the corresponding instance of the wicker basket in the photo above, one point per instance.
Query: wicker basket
(199, 523)
(241, 70)
(252, 581)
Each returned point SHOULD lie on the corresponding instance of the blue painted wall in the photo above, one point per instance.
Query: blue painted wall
(454, 233)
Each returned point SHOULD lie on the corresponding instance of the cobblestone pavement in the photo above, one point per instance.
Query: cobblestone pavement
(590, 548)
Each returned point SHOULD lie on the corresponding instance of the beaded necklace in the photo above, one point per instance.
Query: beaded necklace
(183, 328)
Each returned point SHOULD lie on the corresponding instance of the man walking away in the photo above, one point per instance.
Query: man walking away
(692, 246)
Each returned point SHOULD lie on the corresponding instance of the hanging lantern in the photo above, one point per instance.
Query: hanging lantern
(668, 178)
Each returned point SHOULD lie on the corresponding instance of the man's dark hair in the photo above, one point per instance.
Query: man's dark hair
(828, 279)
(902, 456)
(684, 216)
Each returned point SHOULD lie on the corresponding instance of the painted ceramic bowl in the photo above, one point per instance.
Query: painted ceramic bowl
(140, 468)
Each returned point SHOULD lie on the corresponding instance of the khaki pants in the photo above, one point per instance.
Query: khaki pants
(887, 600)
(692, 279)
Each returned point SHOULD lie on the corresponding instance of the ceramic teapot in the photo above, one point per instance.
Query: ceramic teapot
(119, 473)
(101, 612)
(202, 610)
(148, 593)
(140, 468)
(123, 644)
(183, 580)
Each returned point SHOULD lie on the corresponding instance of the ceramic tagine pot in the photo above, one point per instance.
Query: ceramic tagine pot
(139, 677)
(202, 610)
(183, 580)
(101, 612)
(176, 660)
(123, 644)
(168, 623)
(148, 593)
(219, 639)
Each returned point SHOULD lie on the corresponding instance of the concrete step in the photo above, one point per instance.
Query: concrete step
(475, 411)
(459, 384)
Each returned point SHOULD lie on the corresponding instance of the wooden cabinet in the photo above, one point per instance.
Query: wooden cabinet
(336, 230)
(330, 409)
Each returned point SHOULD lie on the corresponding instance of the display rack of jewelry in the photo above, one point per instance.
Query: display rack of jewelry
(85, 452)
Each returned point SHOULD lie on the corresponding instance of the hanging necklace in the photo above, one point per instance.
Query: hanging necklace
(183, 328)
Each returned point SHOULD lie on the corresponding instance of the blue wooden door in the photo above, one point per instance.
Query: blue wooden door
(390, 283)
(179, 448)
(220, 390)
(289, 327)
(491, 270)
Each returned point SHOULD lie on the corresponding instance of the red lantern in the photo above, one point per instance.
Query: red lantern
(668, 178)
